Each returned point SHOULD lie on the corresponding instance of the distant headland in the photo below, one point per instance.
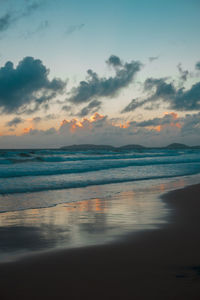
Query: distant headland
(87, 147)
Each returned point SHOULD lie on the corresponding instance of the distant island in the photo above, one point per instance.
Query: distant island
(87, 147)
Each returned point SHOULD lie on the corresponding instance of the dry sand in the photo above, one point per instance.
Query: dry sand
(158, 264)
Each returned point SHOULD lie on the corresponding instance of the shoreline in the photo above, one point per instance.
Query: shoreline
(155, 264)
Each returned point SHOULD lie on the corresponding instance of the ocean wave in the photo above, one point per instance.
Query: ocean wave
(25, 160)
(86, 183)
(93, 166)
(21, 158)
(104, 157)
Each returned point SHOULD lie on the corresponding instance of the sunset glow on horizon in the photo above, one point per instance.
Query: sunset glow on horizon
(85, 76)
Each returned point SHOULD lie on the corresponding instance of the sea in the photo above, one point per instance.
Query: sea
(54, 198)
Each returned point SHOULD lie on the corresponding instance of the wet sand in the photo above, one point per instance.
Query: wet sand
(157, 264)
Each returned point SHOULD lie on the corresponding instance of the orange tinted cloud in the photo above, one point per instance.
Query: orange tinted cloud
(173, 114)
(158, 128)
(121, 125)
(27, 130)
(87, 123)
(95, 117)
(174, 122)
(75, 123)
(178, 125)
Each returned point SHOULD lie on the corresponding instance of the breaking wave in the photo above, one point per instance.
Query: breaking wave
(39, 170)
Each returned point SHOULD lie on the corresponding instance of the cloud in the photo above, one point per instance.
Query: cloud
(191, 125)
(50, 117)
(11, 17)
(31, 7)
(5, 22)
(73, 28)
(67, 108)
(36, 132)
(96, 87)
(178, 99)
(152, 58)
(15, 122)
(134, 104)
(187, 100)
(40, 28)
(85, 125)
(168, 119)
(114, 61)
(45, 118)
(183, 73)
(26, 88)
(197, 66)
(36, 119)
(100, 129)
(90, 108)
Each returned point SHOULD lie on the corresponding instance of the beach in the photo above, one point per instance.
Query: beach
(162, 263)
(99, 150)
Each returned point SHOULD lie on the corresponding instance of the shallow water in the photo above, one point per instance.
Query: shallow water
(53, 198)
(111, 213)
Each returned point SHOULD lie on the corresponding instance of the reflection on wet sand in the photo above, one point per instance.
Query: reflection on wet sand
(86, 222)
(98, 205)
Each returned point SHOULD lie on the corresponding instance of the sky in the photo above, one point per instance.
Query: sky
(103, 72)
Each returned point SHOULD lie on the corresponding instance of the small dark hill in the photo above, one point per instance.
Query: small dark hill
(86, 147)
(177, 146)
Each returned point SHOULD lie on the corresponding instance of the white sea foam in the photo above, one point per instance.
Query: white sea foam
(41, 170)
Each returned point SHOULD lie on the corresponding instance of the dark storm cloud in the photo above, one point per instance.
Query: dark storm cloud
(96, 87)
(14, 122)
(26, 88)
(90, 108)
(197, 66)
(176, 98)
